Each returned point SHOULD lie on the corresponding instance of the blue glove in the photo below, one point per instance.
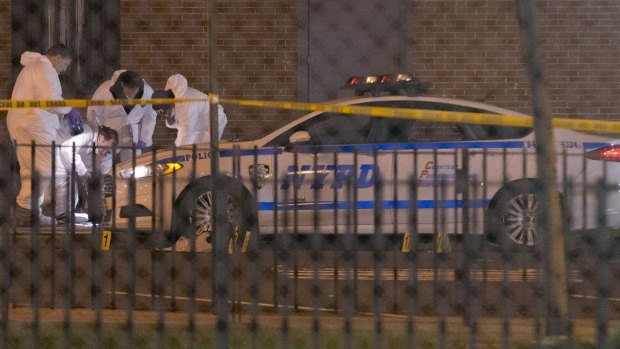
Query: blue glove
(74, 119)
(140, 145)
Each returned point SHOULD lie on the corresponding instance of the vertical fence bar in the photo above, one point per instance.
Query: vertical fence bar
(394, 235)
(221, 237)
(219, 203)
(53, 235)
(233, 251)
(130, 260)
(34, 249)
(113, 253)
(253, 257)
(474, 253)
(173, 257)
(603, 274)
(70, 213)
(337, 238)
(470, 301)
(295, 230)
(485, 181)
(315, 257)
(276, 230)
(441, 266)
(6, 220)
(348, 261)
(68, 285)
(156, 243)
(565, 225)
(154, 238)
(379, 256)
(95, 249)
(160, 265)
(506, 260)
(284, 254)
(439, 258)
(412, 255)
(355, 245)
(191, 274)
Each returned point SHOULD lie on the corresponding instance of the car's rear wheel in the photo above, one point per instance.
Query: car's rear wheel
(195, 205)
(514, 215)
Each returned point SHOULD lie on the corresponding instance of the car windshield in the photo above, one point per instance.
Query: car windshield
(337, 128)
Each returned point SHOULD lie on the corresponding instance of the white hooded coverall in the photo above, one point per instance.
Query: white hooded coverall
(83, 152)
(138, 125)
(192, 119)
(38, 80)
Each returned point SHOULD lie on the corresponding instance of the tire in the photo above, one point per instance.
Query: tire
(513, 217)
(193, 213)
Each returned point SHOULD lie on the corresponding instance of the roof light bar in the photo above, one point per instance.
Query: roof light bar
(390, 83)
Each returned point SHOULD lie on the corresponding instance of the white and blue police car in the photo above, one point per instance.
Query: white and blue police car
(330, 172)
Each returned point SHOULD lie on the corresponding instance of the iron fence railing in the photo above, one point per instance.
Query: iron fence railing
(341, 255)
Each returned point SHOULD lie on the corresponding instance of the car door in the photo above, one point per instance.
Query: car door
(328, 181)
(424, 161)
(442, 167)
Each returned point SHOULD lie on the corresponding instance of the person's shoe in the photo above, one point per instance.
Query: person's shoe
(22, 216)
(45, 220)
(78, 217)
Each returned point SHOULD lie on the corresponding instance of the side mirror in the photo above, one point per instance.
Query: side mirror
(300, 137)
(297, 139)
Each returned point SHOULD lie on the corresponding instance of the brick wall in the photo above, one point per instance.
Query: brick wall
(257, 54)
(465, 49)
(472, 50)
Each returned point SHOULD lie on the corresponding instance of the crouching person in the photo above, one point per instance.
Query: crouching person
(77, 153)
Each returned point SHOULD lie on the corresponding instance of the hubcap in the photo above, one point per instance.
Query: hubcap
(202, 212)
(521, 219)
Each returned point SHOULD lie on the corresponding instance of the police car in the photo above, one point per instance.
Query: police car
(331, 172)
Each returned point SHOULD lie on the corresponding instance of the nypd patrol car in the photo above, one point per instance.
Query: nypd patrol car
(332, 172)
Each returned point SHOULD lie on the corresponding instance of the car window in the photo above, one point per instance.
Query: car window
(336, 128)
(404, 131)
(392, 130)
(331, 129)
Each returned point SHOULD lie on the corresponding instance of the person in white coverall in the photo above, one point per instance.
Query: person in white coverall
(190, 119)
(38, 80)
(104, 138)
(77, 151)
(134, 123)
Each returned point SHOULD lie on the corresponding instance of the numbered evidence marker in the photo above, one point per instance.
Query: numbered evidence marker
(235, 238)
(406, 243)
(106, 239)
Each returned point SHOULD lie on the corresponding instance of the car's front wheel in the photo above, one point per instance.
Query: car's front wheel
(195, 206)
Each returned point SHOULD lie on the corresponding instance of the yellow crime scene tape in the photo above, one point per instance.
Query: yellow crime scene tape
(6, 104)
(436, 115)
(588, 125)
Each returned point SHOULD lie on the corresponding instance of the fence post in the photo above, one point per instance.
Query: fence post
(218, 218)
(552, 235)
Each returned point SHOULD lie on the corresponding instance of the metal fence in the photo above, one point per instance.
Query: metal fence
(358, 262)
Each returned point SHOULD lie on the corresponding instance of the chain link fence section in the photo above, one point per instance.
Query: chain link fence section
(340, 245)
(299, 284)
